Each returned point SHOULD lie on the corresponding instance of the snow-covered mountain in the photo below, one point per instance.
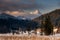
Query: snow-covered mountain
(30, 14)
(24, 14)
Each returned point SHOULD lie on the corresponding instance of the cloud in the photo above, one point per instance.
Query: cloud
(28, 4)
(59, 3)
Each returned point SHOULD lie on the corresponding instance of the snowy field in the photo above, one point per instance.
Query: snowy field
(28, 37)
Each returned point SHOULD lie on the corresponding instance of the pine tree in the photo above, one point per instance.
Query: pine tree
(48, 27)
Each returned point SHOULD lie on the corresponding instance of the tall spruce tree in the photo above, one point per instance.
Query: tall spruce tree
(42, 25)
(48, 27)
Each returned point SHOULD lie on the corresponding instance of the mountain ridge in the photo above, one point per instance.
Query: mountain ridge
(54, 15)
(10, 23)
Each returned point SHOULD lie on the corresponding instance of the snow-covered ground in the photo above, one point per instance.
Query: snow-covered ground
(56, 35)
(26, 34)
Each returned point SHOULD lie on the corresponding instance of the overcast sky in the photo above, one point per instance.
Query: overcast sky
(44, 6)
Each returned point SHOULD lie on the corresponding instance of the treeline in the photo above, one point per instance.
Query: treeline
(9, 23)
